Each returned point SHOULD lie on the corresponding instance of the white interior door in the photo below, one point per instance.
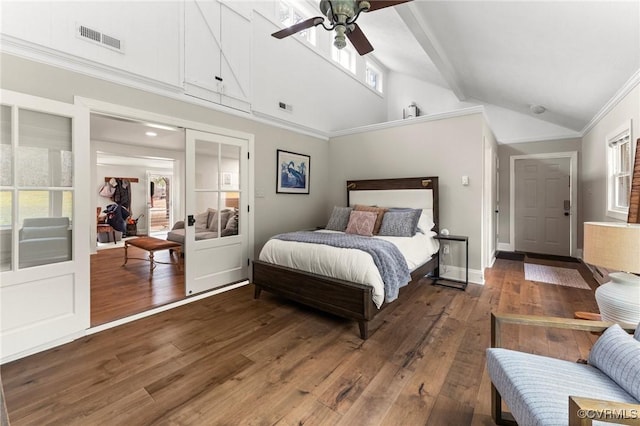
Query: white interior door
(216, 229)
(44, 260)
(543, 206)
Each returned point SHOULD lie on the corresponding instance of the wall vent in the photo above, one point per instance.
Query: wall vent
(96, 36)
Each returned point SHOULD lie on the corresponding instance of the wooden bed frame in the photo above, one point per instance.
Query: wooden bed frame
(343, 298)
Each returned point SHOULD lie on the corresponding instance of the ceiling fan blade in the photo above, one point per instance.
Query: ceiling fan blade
(359, 40)
(381, 4)
(311, 22)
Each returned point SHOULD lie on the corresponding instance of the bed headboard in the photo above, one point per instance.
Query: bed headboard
(417, 193)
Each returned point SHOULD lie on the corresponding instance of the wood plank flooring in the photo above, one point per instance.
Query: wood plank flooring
(230, 360)
(118, 292)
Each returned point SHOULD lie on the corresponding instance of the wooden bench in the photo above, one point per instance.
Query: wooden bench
(152, 244)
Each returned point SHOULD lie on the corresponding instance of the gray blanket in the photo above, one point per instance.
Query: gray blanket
(386, 256)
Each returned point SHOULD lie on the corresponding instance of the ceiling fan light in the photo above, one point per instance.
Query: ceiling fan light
(364, 5)
(340, 40)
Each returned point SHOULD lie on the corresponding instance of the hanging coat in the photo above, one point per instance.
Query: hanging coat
(117, 217)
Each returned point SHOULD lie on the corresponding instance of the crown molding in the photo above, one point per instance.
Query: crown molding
(577, 135)
(288, 125)
(613, 102)
(398, 123)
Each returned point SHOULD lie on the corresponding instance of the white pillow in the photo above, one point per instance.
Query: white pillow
(425, 223)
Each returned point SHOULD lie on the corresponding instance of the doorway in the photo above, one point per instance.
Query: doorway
(166, 286)
(124, 150)
(543, 203)
(159, 214)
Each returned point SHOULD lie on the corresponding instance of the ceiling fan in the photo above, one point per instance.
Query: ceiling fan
(342, 15)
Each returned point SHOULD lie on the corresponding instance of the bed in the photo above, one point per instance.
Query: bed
(349, 299)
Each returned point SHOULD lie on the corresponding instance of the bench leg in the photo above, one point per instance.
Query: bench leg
(126, 246)
(178, 257)
(151, 264)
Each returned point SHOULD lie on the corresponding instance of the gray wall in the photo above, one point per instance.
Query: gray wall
(273, 213)
(504, 154)
(594, 165)
(448, 148)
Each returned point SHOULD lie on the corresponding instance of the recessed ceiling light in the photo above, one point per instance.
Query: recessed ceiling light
(151, 134)
(537, 109)
(162, 127)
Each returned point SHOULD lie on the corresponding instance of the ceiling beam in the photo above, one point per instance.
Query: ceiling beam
(412, 17)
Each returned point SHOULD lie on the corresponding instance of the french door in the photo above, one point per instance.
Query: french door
(216, 225)
(44, 253)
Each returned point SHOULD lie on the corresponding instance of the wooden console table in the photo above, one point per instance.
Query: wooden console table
(152, 244)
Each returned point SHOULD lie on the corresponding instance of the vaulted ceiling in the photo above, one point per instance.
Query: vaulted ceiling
(569, 56)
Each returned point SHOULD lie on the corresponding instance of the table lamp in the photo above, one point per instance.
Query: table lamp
(616, 245)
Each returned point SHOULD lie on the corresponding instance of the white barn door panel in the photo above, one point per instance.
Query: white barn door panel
(217, 53)
(44, 258)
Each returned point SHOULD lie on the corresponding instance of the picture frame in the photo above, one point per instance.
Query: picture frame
(292, 172)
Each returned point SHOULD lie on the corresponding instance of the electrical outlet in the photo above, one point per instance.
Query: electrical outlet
(445, 249)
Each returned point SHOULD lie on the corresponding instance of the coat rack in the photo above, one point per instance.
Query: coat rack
(120, 179)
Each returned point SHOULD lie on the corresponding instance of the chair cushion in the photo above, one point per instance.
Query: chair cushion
(617, 354)
(537, 388)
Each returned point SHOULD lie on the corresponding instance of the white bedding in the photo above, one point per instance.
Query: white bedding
(347, 264)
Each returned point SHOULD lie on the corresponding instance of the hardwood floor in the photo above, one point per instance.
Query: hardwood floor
(230, 359)
(118, 292)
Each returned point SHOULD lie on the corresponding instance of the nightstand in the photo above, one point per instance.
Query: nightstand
(460, 285)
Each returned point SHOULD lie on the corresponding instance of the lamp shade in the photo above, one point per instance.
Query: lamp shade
(616, 246)
(612, 245)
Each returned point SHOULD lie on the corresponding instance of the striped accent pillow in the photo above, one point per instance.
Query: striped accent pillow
(617, 354)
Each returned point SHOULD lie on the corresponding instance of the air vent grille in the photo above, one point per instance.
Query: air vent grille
(111, 41)
(98, 37)
(90, 34)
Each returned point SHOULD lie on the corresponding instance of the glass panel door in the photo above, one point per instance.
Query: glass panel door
(216, 245)
(44, 265)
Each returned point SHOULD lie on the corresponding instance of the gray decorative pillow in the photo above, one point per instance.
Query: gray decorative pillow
(416, 212)
(202, 221)
(617, 354)
(232, 226)
(400, 223)
(339, 219)
(224, 217)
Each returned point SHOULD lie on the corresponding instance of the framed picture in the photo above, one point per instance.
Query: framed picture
(292, 172)
(226, 180)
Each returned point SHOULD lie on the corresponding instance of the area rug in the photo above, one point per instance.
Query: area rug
(554, 275)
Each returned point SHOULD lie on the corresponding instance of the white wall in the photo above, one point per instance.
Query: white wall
(149, 31)
(447, 148)
(323, 96)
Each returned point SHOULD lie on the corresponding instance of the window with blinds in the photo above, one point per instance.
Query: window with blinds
(619, 153)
